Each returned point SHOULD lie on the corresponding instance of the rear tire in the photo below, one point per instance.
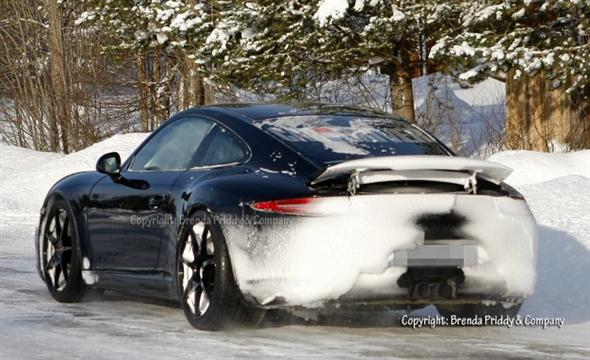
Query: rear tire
(209, 295)
(59, 255)
(480, 310)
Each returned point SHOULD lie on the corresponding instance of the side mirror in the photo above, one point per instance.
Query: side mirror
(109, 164)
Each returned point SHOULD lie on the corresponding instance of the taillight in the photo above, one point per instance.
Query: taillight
(517, 196)
(297, 206)
(512, 192)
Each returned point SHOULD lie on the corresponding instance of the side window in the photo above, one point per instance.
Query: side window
(222, 147)
(173, 147)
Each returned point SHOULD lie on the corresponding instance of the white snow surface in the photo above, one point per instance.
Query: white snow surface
(557, 189)
(26, 176)
(34, 326)
(530, 167)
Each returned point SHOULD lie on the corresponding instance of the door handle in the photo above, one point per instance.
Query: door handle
(156, 201)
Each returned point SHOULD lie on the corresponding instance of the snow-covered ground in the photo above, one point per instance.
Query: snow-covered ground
(32, 325)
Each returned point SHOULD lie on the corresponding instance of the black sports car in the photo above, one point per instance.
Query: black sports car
(240, 208)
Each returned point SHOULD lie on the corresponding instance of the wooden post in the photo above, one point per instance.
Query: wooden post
(539, 116)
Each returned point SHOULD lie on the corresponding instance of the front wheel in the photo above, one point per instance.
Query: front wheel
(207, 289)
(59, 255)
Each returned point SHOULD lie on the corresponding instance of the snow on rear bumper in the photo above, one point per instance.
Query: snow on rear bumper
(347, 255)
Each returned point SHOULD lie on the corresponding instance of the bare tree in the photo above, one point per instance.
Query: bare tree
(58, 90)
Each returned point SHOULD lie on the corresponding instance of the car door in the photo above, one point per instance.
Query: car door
(220, 154)
(127, 214)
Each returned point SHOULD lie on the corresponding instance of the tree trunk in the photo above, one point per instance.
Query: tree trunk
(400, 89)
(142, 80)
(159, 92)
(57, 71)
(194, 92)
(402, 97)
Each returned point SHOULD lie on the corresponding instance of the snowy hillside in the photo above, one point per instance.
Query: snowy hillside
(27, 175)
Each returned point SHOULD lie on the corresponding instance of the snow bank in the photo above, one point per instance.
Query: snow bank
(557, 189)
(27, 175)
(12, 159)
(532, 167)
(562, 209)
(563, 204)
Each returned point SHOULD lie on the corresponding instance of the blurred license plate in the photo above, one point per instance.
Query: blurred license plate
(437, 255)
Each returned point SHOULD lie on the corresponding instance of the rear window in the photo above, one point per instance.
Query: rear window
(329, 139)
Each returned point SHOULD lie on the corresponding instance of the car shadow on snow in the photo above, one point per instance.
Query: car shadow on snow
(563, 278)
(114, 296)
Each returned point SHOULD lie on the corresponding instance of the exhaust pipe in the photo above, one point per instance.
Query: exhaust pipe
(437, 290)
(421, 291)
(443, 290)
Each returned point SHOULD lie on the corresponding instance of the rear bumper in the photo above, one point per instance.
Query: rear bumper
(348, 255)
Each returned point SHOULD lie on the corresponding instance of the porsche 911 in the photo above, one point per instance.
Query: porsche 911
(233, 210)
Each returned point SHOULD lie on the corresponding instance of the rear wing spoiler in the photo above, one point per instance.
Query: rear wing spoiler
(411, 163)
